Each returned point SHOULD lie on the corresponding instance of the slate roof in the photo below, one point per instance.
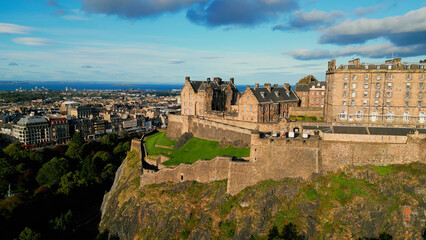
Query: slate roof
(202, 85)
(306, 87)
(276, 95)
(390, 131)
(350, 130)
(31, 120)
(325, 129)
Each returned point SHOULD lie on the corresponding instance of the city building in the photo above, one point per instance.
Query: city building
(32, 131)
(199, 97)
(266, 104)
(388, 94)
(60, 132)
(311, 94)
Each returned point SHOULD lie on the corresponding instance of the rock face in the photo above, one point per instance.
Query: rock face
(356, 202)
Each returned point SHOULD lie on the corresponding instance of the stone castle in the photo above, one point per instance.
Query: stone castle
(215, 110)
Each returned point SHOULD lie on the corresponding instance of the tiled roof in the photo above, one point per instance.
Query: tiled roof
(306, 87)
(31, 120)
(202, 85)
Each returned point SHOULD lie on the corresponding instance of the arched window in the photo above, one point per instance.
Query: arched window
(358, 115)
(422, 117)
(343, 114)
(389, 116)
(374, 116)
(406, 116)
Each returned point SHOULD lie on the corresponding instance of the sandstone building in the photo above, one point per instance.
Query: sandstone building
(389, 94)
(311, 94)
(199, 97)
(267, 103)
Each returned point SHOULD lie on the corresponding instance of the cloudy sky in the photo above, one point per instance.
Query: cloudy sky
(162, 41)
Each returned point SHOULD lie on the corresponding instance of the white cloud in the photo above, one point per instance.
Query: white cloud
(30, 41)
(14, 29)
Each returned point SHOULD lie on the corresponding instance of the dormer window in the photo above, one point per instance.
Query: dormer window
(277, 93)
(288, 93)
(262, 94)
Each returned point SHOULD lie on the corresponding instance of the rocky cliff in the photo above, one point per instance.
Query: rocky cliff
(353, 203)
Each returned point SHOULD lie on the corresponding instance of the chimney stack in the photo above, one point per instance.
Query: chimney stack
(267, 86)
(187, 78)
(256, 85)
(275, 85)
(231, 80)
(355, 61)
(208, 79)
(218, 80)
(287, 86)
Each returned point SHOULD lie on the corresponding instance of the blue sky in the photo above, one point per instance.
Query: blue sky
(162, 41)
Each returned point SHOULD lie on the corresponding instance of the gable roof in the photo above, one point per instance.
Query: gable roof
(305, 87)
(202, 85)
(276, 95)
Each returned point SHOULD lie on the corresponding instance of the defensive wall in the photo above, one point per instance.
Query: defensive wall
(277, 158)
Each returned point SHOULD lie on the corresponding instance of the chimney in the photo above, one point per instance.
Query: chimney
(218, 80)
(267, 86)
(286, 86)
(275, 85)
(256, 85)
(331, 65)
(355, 61)
(187, 78)
(231, 80)
(208, 79)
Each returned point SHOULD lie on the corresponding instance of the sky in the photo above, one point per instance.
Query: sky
(162, 41)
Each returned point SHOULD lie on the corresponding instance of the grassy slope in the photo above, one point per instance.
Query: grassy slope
(192, 151)
(334, 206)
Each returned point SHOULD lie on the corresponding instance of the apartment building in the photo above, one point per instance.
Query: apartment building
(311, 94)
(32, 131)
(388, 94)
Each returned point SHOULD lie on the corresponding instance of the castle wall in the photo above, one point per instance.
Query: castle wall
(364, 138)
(201, 171)
(136, 145)
(177, 125)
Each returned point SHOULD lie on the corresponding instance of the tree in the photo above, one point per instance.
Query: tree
(308, 79)
(28, 234)
(15, 152)
(88, 171)
(109, 139)
(78, 139)
(69, 182)
(51, 172)
(74, 151)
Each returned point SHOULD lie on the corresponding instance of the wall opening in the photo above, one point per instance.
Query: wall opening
(181, 177)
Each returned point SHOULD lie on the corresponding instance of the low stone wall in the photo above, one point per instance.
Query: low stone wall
(364, 138)
(306, 111)
(201, 171)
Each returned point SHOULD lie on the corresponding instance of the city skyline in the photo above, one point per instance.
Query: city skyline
(136, 41)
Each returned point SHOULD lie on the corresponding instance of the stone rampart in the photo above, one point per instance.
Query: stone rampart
(201, 171)
(136, 145)
(364, 138)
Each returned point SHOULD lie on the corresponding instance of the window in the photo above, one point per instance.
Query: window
(364, 103)
(422, 77)
(353, 94)
(312, 99)
(190, 96)
(377, 95)
(353, 103)
(406, 116)
(377, 85)
(251, 108)
(406, 104)
(303, 99)
(366, 85)
(184, 95)
(366, 75)
(422, 117)
(344, 94)
(304, 93)
(407, 94)
(421, 85)
(190, 104)
(245, 107)
(344, 103)
(389, 94)
(358, 115)
(419, 104)
(390, 85)
(184, 104)
(388, 103)
(322, 99)
(366, 66)
(343, 114)
(365, 94)
(374, 116)
(407, 66)
(378, 77)
(353, 85)
(390, 76)
(322, 93)
(346, 76)
(354, 77)
(409, 76)
(389, 116)
(389, 67)
(317, 93)
(408, 85)
(190, 111)
(377, 66)
(420, 95)
(376, 103)
(345, 85)
(317, 99)
(312, 93)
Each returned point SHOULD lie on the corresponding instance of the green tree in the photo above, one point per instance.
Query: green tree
(29, 234)
(78, 139)
(308, 79)
(109, 139)
(74, 151)
(51, 172)
(69, 182)
(15, 152)
(88, 171)
(108, 172)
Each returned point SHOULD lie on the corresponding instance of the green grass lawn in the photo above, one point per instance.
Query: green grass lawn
(192, 151)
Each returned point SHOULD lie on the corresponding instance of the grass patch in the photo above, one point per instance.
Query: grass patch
(311, 194)
(305, 118)
(192, 151)
(227, 228)
(384, 170)
(228, 205)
